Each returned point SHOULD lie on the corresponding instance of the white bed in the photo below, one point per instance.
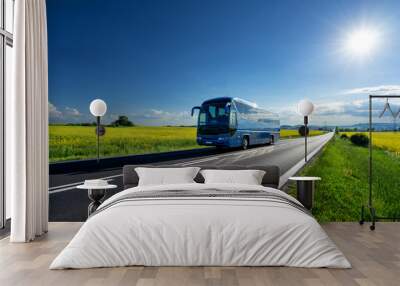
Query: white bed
(202, 231)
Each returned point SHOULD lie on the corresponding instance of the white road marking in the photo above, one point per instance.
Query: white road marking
(67, 185)
(241, 153)
(261, 150)
(4, 237)
(72, 186)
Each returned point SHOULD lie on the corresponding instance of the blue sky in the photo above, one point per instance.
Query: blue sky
(154, 60)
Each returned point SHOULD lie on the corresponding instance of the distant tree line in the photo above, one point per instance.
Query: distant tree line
(355, 129)
(122, 121)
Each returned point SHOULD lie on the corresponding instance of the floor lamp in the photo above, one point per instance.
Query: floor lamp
(305, 108)
(98, 108)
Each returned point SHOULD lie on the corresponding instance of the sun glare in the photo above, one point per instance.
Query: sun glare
(362, 42)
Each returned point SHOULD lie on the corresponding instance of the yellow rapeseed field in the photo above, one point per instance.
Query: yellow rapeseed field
(385, 140)
(79, 142)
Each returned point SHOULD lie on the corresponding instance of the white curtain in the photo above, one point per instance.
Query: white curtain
(27, 124)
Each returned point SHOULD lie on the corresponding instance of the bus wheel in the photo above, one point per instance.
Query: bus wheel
(245, 143)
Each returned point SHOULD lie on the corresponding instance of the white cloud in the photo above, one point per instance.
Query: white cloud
(156, 111)
(54, 112)
(66, 115)
(69, 111)
(153, 117)
(380, 89)
(333, 112)
(161, 117)
(340, 112)
(331, 108)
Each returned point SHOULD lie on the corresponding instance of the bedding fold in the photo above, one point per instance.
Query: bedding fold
(201, 225)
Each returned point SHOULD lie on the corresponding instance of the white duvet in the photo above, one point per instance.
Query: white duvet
(193, 231)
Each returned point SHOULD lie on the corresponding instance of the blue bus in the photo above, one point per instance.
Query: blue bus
(234, 122)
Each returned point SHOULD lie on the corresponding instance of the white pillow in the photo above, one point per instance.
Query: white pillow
(166, 176)
(248, 177)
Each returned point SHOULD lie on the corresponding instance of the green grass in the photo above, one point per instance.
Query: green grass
(79, 142)
(343, 168)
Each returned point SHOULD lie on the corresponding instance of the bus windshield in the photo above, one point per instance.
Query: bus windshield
(214, 113)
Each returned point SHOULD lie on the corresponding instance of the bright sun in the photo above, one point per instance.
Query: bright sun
(362, 42)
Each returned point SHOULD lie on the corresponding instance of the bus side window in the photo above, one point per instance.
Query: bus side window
(202, 118)
(221, 111)
(212, 110)
(233, 120)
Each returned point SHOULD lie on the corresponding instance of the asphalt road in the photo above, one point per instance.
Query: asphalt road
(67, 203)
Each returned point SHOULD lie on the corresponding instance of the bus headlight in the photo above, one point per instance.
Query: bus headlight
(220, 138)
(199, 138)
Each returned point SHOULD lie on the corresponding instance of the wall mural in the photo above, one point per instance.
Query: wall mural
(219, 83)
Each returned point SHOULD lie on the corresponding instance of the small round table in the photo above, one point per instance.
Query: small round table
(96, 195)
(305, 190)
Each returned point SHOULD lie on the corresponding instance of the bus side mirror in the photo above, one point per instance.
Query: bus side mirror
(194, 108)
(227, 107)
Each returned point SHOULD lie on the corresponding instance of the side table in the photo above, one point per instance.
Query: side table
(305, 190)
(96, 195)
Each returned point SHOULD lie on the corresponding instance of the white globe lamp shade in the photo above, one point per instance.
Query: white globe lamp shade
(305, 107)
(98, 107)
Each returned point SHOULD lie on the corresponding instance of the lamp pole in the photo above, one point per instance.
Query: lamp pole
(305, 137)
(98, 108)
(98, 138)
(305, 108)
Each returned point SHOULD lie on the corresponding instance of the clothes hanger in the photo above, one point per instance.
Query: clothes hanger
(387, 107)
